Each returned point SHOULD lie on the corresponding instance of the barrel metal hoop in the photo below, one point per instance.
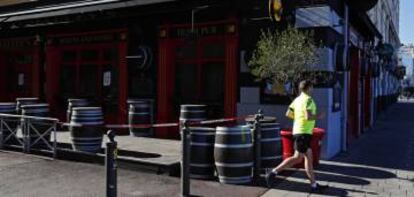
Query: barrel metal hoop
(86, 138)
(203, 133)
(232, 133)
(269, 129)
(234, 165)
(140, 113)
(200, 165)
(233, 145)
(270, 139)
(193, 111)
(235, 180)
(201, 144)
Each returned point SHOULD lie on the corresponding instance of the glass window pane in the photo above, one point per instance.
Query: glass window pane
(212, 89)
(188, 51)
(110, 54)
(69, 56)
(88, 78)
(110, 86)
(23, 59)
(68, 81)
(186, 84)
(213, 82)
(213, 50)
(89, 55)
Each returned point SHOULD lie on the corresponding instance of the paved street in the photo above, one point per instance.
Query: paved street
(28, 176)
(379, 163)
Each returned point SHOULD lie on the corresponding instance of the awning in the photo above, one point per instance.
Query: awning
(364, 25)
(78, 7)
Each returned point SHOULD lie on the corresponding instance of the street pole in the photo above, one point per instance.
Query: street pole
(344, 126)
(185, 160)
(257, 136)
(111, 166)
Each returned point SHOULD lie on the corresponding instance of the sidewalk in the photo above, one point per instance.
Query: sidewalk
(23, 175)
(379, 163)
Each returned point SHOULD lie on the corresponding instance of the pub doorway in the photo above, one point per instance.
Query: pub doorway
(197, 68)
(19, 68)
(88, 66)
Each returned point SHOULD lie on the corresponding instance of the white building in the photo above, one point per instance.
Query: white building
(386, 17)
(406, 57)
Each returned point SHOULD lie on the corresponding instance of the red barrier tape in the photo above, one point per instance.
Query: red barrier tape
(165, 125)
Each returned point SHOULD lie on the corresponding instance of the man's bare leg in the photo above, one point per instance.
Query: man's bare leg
(309, 166)
(289, 162)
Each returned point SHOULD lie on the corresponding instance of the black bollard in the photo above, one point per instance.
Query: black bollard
(111, 166)
(257, 146)
(185, 160)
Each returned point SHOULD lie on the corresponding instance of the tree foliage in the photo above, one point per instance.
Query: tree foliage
(284, 56)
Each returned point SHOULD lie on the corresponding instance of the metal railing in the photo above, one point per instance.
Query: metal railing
(34, 131)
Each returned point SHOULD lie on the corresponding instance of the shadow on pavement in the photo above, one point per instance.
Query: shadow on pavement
(364, 172)
(294, 186)
(337, 178)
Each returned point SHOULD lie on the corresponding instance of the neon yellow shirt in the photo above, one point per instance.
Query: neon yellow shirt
(299, 107)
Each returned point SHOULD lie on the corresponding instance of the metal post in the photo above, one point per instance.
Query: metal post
(111, 166)
(344, 119)
(1, 132)
(26, 134)
(54, 139)
(185, 160)
(257, 136)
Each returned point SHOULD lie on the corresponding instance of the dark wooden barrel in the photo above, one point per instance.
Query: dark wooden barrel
(271, 145)
(37, 110)
(233, 154)
(24, 101)
(202, 152)
(140, 114)
(9, 108)
(86, 127)
(75, 103)
(193, 113)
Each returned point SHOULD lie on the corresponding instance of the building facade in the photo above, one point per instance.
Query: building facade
(386, 17)
(175, 52)
(406, 57)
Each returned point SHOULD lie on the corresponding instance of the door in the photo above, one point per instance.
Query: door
(89, 72)
(200, 72)
(20, 77)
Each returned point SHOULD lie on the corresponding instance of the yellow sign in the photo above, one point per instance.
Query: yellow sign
(275, 10)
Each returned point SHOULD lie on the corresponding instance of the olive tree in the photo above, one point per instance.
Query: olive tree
(284, 56)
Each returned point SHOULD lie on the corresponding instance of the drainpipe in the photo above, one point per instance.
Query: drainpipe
(344, 124)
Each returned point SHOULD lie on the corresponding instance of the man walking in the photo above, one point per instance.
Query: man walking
(303, 112)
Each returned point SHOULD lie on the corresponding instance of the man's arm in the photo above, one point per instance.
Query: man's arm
(290, 114)
(311, 116)
(309, 112)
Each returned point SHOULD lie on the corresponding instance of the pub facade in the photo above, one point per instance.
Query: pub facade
(173, 52)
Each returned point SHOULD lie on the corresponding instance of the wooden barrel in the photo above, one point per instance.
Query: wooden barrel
(38, 110)
(202, 152)
(75, 103)
(140, 114)
(9, 108)
(233, 154)
(193, 113)
(271, 145)
(24, 101)
(86, 129)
